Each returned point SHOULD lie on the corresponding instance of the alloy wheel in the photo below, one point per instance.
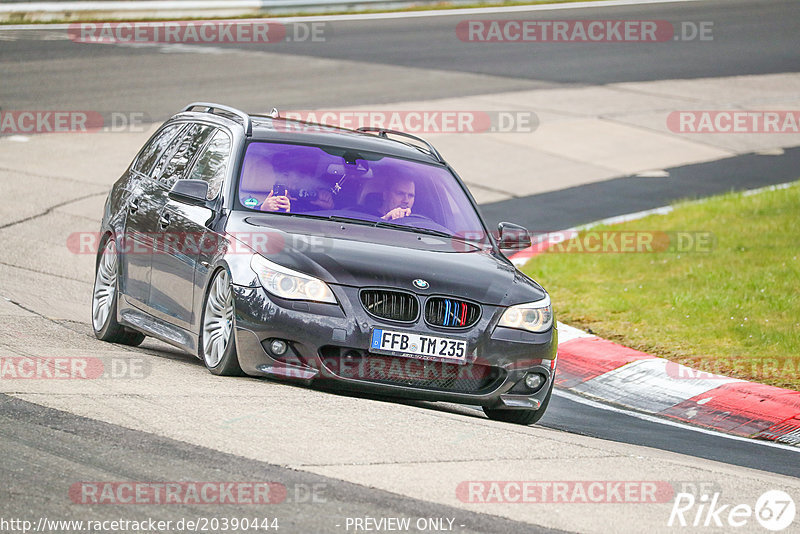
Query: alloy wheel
(218, 320)
(105, 286)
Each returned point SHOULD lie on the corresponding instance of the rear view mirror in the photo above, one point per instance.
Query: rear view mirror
(513, 236)
(189, 191)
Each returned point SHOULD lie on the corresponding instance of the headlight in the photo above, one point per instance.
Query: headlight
(289, 284)
(531, 316)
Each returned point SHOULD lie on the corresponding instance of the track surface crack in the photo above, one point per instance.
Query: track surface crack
(50, 210)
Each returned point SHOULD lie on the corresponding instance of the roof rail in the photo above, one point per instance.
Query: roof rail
(211, 107)
(383, 131)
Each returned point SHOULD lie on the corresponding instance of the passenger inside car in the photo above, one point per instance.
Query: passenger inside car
(258, 178)
(272, 185)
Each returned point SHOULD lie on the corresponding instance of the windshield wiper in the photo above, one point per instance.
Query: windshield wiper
(337, 218)
(378, 224)
(415, 229)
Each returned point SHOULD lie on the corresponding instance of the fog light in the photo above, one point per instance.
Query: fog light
(278, 347)
(352, 356)
(534, 381)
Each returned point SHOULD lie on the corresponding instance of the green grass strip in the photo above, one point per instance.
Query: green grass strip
(720, 290)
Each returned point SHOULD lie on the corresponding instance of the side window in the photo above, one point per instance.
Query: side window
(213, 162)
(150, 153)
(190, 142)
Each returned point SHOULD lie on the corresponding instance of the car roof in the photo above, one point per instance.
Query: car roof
(296, 131)
(286, 130)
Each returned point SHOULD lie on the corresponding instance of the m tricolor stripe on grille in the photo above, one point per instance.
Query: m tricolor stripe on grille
(453, 313)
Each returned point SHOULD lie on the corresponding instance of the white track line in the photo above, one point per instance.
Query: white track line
(663, 210)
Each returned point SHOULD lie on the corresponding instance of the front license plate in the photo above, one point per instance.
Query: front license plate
(418, 346)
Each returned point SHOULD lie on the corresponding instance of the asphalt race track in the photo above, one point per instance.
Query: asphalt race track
(757, 37)
(342, 456)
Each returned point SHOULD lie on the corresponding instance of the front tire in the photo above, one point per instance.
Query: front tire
(104, 300)
(520, 417)
(217, 347)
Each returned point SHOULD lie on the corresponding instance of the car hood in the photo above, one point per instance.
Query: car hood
(364, 256)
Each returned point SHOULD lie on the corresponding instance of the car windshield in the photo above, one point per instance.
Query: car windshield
(365, 188)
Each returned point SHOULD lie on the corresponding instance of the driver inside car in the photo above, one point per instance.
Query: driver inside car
(394, 202)
(398, 199)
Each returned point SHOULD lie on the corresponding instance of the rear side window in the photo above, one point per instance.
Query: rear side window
(151, 152)
(182, 153)
(212, 163)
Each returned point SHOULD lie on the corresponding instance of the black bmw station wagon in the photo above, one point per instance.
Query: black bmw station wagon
(349, 259)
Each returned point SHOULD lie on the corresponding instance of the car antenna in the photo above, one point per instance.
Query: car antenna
(275, 114)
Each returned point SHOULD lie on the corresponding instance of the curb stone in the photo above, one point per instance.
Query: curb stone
(595, 367)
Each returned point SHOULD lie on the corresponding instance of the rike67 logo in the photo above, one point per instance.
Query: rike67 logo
(774, 510)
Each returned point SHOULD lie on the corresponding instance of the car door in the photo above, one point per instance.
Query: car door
(141, 206)
(181, 226)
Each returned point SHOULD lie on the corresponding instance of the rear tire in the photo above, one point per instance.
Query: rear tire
(104, 299)
(217, 346)
(519, 417)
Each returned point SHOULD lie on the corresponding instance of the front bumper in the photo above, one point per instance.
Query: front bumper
(328, 346)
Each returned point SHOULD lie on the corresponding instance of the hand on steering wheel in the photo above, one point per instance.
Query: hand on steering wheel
(416, 216)
(397, 213)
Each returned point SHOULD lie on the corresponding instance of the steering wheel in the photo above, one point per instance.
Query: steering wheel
(427, 223)
(418, 216)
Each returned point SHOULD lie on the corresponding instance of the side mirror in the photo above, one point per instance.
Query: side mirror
(513, 236)
(189, 192)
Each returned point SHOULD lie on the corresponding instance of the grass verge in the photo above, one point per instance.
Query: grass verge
(719, 292)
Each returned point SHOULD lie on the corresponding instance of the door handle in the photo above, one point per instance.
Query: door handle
(163, 220)
(133, 205)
